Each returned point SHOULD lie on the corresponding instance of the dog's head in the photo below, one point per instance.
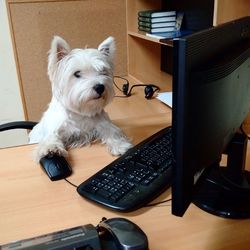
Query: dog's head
(82, 79)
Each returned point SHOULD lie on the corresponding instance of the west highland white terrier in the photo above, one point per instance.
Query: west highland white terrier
(82, 85)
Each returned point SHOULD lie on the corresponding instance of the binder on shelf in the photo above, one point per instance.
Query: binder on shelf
(156, 30)
(156, 13)
(157, 25)
(177, 32)
(157, 19)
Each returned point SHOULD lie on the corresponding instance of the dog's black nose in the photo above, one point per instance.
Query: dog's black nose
(99, 88)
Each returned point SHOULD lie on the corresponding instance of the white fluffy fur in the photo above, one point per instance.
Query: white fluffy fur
(76, 115)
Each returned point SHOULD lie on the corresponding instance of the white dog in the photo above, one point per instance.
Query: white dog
(82, 85)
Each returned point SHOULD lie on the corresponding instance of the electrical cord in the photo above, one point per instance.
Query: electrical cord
(149, 89)
(149, 205)
(127, 82)
(72, 184)
(158, 203)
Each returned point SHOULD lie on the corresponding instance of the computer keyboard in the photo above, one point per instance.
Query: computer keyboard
(135, 178)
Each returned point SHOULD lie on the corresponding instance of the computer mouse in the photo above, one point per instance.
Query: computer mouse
(124, 233)
(56, 167)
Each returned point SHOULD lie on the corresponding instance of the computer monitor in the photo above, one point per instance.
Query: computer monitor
(211, 99)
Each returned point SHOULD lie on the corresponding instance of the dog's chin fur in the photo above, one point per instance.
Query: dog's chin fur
(75, 115)
(90, 107)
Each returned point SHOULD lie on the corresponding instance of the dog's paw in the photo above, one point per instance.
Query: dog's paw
(120, 147)
(44, 149)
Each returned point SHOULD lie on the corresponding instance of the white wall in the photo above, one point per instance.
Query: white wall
(10, 101)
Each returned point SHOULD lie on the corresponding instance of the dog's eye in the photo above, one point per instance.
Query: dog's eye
(104, 72)
(77, 74)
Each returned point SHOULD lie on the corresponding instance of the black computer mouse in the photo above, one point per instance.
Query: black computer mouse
(124, 233)
(56, 167)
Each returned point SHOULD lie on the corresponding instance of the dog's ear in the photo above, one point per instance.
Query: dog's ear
(107, 47)
(59, 49)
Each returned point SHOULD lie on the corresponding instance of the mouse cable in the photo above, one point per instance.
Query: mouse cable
(158, 203)
(72, 184)
(149, 205)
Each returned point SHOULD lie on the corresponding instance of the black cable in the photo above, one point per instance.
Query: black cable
(136, 85)
(127, 82)
(149, 90)
(119, 78)
(157, 203)
(149, 205)
(72, 184)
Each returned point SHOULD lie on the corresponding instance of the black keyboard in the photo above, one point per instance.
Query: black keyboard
(135, 178)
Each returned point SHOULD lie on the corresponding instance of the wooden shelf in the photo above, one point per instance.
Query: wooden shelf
(169, 42)
(139, 43)
(198, 15)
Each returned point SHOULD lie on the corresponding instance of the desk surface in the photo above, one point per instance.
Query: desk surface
(32, 205)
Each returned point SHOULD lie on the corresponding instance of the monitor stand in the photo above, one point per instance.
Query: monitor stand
(225, 191)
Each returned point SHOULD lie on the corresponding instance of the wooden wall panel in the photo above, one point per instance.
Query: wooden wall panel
(79, 22)
(246, 125)
(228, 10)
(145, 62)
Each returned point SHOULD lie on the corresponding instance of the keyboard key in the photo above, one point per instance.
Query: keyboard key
(103, 193)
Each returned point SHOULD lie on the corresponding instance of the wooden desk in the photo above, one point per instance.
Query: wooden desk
(31, 205)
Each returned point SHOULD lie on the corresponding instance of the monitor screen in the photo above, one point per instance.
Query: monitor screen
(211, 99)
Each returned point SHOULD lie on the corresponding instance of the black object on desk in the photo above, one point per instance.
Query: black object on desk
(136, 178)
(82, 237)
(56, 167)
(121, 233)
(17, 125)
(110, 234)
